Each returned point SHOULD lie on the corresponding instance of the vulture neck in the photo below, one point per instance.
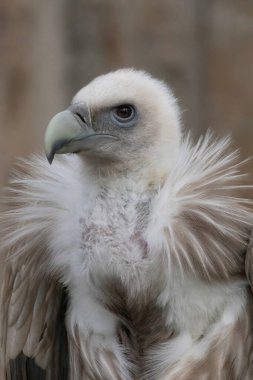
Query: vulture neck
(150, 173)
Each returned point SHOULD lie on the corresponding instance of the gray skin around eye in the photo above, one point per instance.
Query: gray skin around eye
(123, 122)
(105, 121)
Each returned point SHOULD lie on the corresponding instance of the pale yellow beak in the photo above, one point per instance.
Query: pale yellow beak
(62, 129)
(66, 133)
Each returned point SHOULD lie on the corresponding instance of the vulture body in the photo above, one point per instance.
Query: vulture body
(130, 259)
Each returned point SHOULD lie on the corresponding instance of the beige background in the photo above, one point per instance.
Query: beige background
(49, 49)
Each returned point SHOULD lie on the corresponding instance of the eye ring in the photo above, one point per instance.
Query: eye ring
(124, 113)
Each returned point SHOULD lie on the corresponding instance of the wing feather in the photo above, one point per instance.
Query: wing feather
(30, 296)
(28, 317)
(249, 261)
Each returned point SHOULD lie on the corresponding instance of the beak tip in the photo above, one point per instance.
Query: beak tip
(50, 157)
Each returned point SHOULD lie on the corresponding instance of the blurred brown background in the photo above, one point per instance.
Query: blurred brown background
(49, 49)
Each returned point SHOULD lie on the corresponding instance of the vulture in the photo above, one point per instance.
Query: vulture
(130, 256)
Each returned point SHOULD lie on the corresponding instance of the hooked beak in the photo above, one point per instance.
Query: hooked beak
(68, 133)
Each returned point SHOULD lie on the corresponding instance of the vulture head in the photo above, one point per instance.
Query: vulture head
(123, 120)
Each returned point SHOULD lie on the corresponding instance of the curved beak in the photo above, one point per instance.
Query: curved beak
(68, 133)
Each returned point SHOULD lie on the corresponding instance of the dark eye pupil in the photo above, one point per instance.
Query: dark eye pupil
(124, 112)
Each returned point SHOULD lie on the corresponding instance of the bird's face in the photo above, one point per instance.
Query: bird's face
(125, 117)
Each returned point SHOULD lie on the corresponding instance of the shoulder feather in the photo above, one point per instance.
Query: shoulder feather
(201, 217)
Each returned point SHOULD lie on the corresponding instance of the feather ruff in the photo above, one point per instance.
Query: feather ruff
(198, 225)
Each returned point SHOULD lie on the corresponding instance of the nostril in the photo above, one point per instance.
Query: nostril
(80, 116)
(81, 112)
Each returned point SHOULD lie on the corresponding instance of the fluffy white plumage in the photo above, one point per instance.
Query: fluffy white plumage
(144, 233)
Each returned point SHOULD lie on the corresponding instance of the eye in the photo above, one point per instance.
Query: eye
(124, 113)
